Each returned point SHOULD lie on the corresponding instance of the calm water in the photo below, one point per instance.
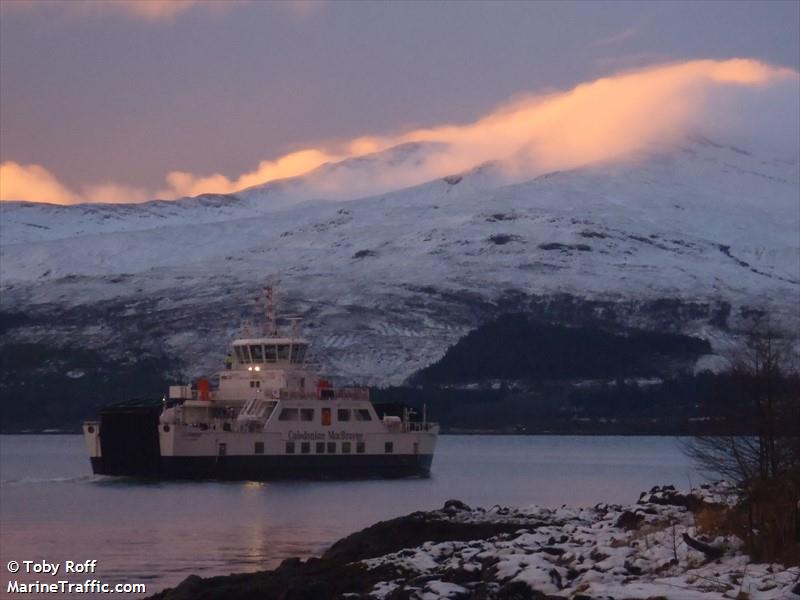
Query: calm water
(52, 508)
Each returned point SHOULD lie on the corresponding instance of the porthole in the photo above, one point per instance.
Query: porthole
(90, 429)
(166, 428)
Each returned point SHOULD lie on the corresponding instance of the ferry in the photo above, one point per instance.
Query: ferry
(268, 416)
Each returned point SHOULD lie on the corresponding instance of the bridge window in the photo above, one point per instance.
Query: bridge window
(283, 352)
(362, 414)
(259, 448)
(388, 447)
(243, 354)
(270, 353)
(298, 353)
(306, 414)
(289, 447)
(305, 447)
(343, 414)
(257, 352)
(360, 447)
(345, 447)
(239, 354)
(288, 414)
(320, 447)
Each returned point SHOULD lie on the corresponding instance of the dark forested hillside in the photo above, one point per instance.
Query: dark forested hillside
(46, 388)
(515, 348)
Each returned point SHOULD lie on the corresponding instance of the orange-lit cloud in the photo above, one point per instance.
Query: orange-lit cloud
(289, 165)
(146, 10)
(153, 10)
(32, 182)
(612, 118)
(37, 184)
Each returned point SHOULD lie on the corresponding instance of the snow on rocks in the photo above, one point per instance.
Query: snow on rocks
(606, 551)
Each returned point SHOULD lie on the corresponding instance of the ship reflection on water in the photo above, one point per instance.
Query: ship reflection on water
(158, 533)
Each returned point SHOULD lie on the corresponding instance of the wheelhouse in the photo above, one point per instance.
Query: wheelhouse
(264, 352)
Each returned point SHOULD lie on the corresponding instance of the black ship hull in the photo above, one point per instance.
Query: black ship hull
(272, 468)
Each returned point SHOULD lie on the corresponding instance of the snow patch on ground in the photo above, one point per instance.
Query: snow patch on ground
(616, 551)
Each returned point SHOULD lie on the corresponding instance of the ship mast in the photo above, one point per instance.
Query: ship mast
(272, 317)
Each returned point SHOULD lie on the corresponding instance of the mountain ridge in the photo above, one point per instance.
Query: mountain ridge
(694, 240)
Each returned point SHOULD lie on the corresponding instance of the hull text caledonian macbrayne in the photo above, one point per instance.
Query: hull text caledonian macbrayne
(270, 417)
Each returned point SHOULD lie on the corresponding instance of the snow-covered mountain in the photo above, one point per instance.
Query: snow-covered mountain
(345, 180)
(692, 239)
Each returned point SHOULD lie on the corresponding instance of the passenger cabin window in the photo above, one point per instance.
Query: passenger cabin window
(388, 447)
(326, 416)
(331, 447)
(259, 448)
(360, 447)
(343, 414)
(306, 414)
(305, 447)
(257, 352)
(288, 414)
(270, 353)
(283, 352)
(345, 447)
(289, 447)
(362, 414)
(320, 447)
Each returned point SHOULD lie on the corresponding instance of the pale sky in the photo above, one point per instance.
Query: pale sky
(97, 93)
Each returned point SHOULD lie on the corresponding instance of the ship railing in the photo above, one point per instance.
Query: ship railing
(345, 393)
(227, 425)
(212, 395)
(419, 426)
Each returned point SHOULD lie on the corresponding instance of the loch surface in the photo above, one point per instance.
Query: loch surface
(52, 508)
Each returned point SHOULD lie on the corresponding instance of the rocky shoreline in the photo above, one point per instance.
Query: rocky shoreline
(653, 549)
